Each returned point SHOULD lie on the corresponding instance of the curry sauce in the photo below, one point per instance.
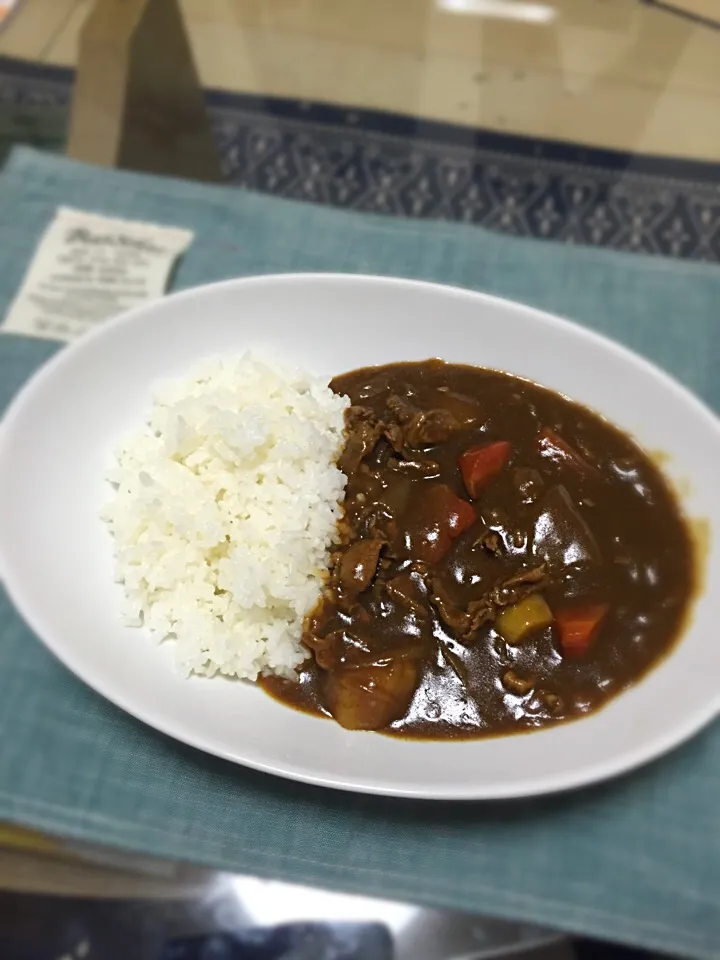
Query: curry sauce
(508, 559)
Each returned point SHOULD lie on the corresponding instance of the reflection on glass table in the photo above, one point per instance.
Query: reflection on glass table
(69, 902)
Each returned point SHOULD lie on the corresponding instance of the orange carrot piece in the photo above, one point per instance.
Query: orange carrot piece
(479, 465)
(578, 627)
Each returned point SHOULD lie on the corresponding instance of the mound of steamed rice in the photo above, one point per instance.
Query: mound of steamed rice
(225, 505)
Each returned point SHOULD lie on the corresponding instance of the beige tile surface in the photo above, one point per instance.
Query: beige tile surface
(613, 73)
(700, 8)
(31, 862)
(63, 49)
(32, 30)
(33, 872)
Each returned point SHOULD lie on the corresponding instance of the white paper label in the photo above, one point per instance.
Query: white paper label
(87, 268)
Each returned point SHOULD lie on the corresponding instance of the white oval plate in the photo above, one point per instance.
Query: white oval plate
(55, 554)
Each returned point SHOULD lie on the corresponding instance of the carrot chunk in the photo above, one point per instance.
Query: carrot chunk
(553, 447)
(479, 465)
(578, 627)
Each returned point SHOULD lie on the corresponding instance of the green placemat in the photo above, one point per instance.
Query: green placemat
(636, 860)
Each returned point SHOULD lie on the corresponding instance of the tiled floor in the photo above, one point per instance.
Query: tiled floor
(614, 73)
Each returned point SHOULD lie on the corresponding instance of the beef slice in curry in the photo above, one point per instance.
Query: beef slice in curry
(507, 559)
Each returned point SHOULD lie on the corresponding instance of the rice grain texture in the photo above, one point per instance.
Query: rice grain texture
(226, 503)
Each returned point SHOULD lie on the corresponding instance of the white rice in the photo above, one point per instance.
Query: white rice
(225, 505)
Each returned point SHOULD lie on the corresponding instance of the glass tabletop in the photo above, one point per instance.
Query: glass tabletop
(584, 121)
(61, 899)
(625, 74)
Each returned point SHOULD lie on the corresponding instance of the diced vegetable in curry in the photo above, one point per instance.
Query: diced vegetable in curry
(507, 559)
